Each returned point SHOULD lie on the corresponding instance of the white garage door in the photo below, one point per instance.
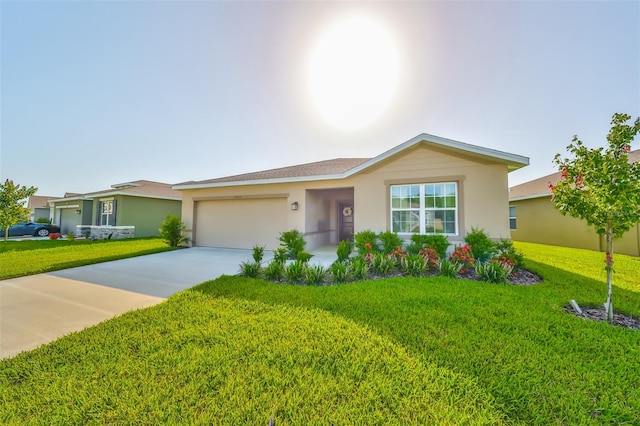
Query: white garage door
(240, 223)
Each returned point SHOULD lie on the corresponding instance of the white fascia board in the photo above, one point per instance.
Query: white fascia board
(529, 197)
(77, 198)
(258, 182)
(129, 194)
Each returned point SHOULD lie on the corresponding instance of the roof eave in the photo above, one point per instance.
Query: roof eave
(530, 196)
(181, 187)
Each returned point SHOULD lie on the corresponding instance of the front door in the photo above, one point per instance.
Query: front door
(345, 221)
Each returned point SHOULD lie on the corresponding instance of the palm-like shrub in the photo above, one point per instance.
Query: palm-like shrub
(344, 250)
(293, 241)
(172, 231)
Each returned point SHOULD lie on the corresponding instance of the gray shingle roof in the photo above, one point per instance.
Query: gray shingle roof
(540, 186)
(318, 168)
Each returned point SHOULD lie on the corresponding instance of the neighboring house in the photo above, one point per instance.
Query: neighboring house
(534, 218)
(427, 184)
(39, 206)
(141, 204)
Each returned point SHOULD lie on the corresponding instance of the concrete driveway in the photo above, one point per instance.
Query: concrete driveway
(40, 308)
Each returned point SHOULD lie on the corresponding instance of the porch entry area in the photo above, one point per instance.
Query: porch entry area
(329, 216)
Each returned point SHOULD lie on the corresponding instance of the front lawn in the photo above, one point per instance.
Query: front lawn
(392, 351)
(20, 258)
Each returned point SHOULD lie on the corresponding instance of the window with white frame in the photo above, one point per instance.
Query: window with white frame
(107, 213)
(512, 217)
(426, 208)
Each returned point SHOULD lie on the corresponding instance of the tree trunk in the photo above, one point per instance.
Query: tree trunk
(609, 261)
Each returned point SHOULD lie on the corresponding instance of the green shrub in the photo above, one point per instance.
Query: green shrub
(414, 265)
(449, 268)
(340, 272)
(315, 275)
(42, 220)
(258, 253)
(383, 264)
(295, 271)
(172, 231)
(250, 269)
(344, 250)
(280, 255)
(366, 241)
(494, 272)
(507, 253)
(71, 236)
(274, 271)
(390, 241)
(438, 242)
(482, 247)
(359, 269)
(304, 256)
(293, 241)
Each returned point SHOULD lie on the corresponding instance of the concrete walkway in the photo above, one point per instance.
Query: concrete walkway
(38, 309)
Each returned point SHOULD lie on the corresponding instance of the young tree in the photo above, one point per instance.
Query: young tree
(12, 208)
(602, 187)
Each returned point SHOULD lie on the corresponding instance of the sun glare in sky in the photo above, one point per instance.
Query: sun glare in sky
(353, 72)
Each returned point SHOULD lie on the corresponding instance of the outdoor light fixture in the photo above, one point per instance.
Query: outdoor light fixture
(78, 211)
(294, 205)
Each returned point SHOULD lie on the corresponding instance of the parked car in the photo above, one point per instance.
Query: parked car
(30, 228)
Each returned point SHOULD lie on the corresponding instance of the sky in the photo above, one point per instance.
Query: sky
(95, 93)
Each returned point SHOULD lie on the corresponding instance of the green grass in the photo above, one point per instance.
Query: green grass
(20, 258)
(202, 360)
(395, 351)
(586, 263)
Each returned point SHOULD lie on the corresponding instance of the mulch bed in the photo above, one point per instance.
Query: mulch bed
(599, 314)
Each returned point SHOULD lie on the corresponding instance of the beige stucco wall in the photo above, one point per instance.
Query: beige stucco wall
(538, 221)
(482, 190)
(482, 193)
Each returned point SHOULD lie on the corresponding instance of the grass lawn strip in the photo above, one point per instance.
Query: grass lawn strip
(201, 360)
(21, 258)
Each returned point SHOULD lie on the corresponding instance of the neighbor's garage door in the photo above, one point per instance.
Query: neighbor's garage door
(240, 223)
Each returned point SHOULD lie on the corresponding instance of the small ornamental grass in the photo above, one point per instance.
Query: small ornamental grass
(295, 272)
(383, 264)
(449, 268)
(274, 271)
(250, 269)
(340, 272)
(494, 272)
(315, 275)
(414, 266)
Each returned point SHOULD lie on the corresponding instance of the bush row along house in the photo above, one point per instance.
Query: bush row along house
(534, 218)
(139, 207)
